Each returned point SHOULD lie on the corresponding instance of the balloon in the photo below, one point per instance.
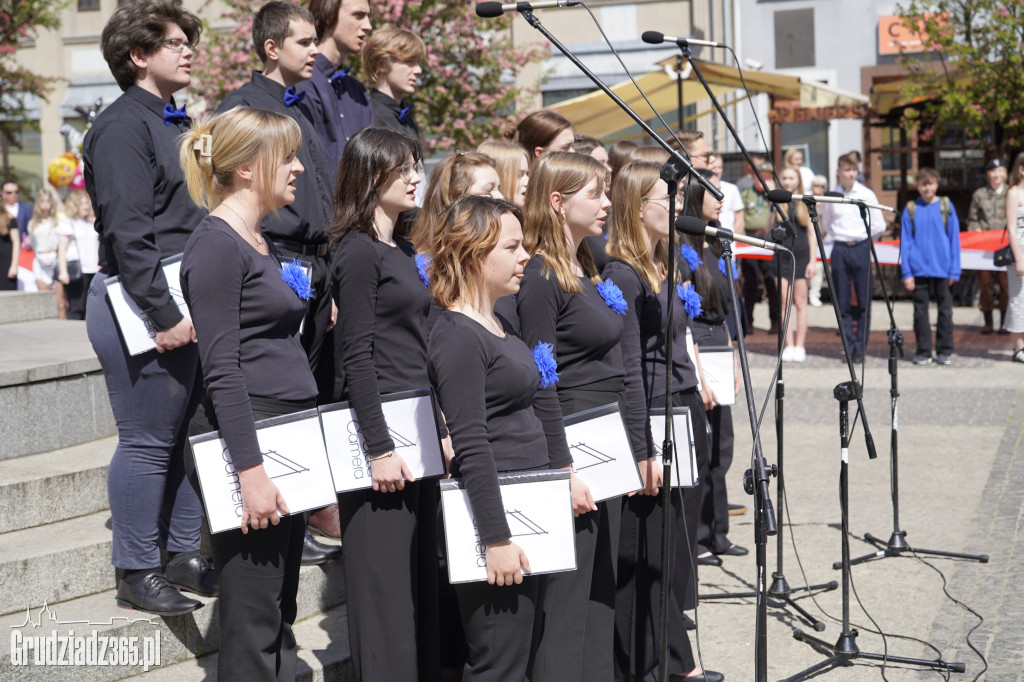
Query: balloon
(79, 180)
(62, 169)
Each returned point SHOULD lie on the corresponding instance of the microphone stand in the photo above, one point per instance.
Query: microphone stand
(755, 482)
(897, 544)
(845, 649)
(780, 588)
(676, 167)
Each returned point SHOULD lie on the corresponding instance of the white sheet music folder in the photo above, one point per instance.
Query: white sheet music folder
(410, 419)
(684, 466)
(294, 458)
(538, 507)
(719, 370)
(137, 330)
(600, 451)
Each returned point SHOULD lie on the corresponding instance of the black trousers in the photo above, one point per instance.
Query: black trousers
(258, 574)
(927, 289)
(316, 340)
(753, 270)
(575, 628)
(851, 267)
(713, 529)
(390, 555)
(498, 621)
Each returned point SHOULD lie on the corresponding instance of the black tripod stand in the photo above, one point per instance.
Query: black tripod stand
(845, 649)
(897, 544)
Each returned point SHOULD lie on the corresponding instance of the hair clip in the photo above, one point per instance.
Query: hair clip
(204, 144)
(459, 153)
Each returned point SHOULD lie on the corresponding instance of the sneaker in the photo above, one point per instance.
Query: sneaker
(922, 359)
(1018, 356)
(942, 359)
(814, 301)
(787, 354)
(799, 354)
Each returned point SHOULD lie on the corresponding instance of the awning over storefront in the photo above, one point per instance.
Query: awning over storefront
(597, 115)
(888, 96)
(85, 93)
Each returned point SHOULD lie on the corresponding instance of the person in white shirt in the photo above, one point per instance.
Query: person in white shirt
(851, 252)
(731, 216)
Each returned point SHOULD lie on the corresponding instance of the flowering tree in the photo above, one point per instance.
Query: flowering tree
(980, 66)
(467, 91)
(21, 20)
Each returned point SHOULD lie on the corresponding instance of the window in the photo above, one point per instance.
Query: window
(794, 38)
(88, 5)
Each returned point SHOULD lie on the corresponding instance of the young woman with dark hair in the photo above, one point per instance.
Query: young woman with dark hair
(544, 131)
(389, 531)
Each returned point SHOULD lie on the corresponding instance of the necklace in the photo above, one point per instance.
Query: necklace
(259, 242)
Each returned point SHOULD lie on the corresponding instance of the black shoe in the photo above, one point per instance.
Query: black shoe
(706, 676)
(316, 553)
(709, 560)
(190, 571)
(734, 550)
(688, 623)
(149, 591)
(858, 357)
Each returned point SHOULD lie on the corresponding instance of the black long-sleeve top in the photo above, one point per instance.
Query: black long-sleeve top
(338, 109)
(584, 331)
(389, 113)
(247, 323)
(305, 219)
(143, 210)
(643, 342)
(714, 314)
(383, 309)
(498, 416)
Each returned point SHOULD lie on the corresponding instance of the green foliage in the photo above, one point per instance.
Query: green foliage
(467, 91)
(980, 70)
(21, 20)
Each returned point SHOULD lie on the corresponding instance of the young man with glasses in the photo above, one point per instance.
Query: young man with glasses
(144, 214)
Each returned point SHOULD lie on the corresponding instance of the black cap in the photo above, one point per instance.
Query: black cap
(994, 163)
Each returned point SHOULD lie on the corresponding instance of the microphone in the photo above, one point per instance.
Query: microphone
(781, 196)
(656, 38)
(696, 226)
(488, 10)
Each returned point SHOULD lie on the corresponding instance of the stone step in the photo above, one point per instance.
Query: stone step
(182, 638)
(51, 388)
(25, 306)
(61, 561)
(323, 655)
(54, 486)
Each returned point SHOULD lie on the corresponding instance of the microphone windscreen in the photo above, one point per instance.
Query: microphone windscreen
(837, 195)
(688, 224)
(779, 196)
(488, 10)
(653, 37)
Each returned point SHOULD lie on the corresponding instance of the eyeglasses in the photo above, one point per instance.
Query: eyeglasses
(407, 169)
(177, 45)
(658, 199)
(10, 191)
(706, 156)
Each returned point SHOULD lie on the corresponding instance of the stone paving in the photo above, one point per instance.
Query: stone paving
(961, 489)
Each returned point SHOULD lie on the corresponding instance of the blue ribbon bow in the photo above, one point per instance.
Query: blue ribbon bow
(292, 98)
(403, 113)
(172, 115)
(338, 75)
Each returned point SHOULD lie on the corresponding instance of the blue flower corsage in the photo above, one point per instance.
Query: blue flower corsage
(692, 301)
(544, 358)
(693, 258)
(295, 276)
(612, 296)
(422, 263)
(721, 269)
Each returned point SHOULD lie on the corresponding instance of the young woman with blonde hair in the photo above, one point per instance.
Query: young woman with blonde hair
(456, 176)
(564, 303)
(1015, 220)
(800, 240)
(513, 166)
(42, 233)
(500, 415)
(246, 307)
(638, 246)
